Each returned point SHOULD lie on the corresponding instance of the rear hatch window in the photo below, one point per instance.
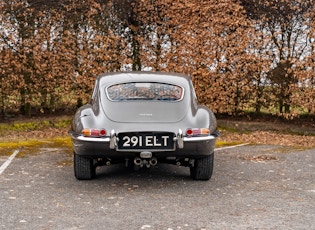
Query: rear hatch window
(144, 91)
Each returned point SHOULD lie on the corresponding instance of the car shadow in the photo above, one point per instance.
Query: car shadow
(160, 172)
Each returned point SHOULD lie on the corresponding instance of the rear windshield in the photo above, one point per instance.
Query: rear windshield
(144, 91)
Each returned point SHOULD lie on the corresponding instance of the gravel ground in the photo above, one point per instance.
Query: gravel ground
(274, 133)
(253, 187)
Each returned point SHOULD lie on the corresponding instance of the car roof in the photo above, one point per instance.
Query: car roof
(143, 76)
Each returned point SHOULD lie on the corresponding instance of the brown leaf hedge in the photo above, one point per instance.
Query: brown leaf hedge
(243, 57)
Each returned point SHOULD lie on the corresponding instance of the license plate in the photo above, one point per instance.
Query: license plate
(146, 140)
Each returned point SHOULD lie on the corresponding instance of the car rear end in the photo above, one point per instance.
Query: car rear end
(145, 121)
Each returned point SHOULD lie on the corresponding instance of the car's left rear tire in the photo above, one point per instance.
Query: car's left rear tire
(83, 167)
(202, 168)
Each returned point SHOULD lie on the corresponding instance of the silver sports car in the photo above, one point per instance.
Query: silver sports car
(142, 119)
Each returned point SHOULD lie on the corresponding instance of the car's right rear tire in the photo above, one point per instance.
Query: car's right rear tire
(83, 167)
(203, 168)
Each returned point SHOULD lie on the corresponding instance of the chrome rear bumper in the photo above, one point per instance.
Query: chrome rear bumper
(113, 139)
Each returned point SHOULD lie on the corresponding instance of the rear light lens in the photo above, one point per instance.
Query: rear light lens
(191, 132)
(94, 132)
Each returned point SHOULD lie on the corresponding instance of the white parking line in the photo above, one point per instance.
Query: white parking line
(230, 147)
(8, 161)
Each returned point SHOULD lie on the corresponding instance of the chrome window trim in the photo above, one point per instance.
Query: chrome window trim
(131, 100)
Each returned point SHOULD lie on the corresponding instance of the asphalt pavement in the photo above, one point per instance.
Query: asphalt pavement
(253, 187)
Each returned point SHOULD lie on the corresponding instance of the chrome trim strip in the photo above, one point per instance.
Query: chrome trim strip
(91, 139)
(205, 138)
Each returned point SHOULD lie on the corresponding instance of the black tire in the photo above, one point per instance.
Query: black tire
(83, 167)
(203, 168)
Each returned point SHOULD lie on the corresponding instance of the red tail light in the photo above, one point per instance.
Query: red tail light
(94, 132)
(197, 132)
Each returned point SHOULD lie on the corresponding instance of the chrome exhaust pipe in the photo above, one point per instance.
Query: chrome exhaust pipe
(153, 161)
(137, 161)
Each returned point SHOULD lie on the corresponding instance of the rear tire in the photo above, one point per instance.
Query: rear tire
(203, 168)
(83, 167)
